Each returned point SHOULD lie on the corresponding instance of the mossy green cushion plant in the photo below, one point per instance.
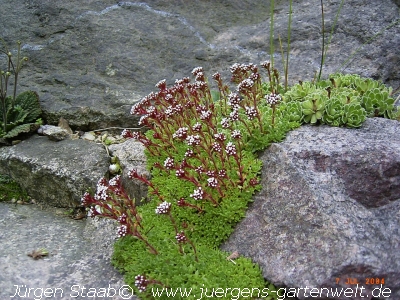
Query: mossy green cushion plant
(202, 154)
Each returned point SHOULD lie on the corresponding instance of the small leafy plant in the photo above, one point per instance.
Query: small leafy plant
(18, 114)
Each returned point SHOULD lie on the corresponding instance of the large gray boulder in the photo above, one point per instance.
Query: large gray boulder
(328, 208)
(91, 60)
(55, 173)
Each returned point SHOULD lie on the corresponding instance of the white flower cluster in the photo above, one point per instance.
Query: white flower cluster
(150, 110)
(169, 97)
(236, 67)
(216, 147)
(197, 194)
(143, 119)
(245, 85)
(180, 173)
(273, 99)
(197, 70)
(180, 133)
(219, 137)
(212, 182)
(234, 115)
(161, 84)
(222, 173)
(225, 123)
(197, 127)
(251, 112)
(233, 100)
(205, 115)
(236, 134)
(193, 140)
(122, 218)
(101, 190)
(169, 111)
(199, 169)
(163, 208)
(189, 153)
(169, 163)
(180, 237)
(122, 230)
(141, 283)
(230, 149)
(115, 181)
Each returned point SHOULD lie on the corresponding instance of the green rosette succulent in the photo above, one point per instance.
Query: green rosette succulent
(346, 94)
(363, 85)
(344, 80)
(314, 106)
(293, 111)
(334, 111)
(300, 91)
(377, 103)
(354, 115)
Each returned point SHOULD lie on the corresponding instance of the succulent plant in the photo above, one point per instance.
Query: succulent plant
(293, 111)
(299, 91)
(354, 115)
(377, 103)
(334, 111)
(313, 107)
(365, 84)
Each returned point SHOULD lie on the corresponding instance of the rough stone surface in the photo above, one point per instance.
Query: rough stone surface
(54, 133)
(55, 173)
(328, 208)
(90, 61)
(79, 257)
(131, 156)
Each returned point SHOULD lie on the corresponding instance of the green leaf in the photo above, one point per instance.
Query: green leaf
(29, 102)
(24, 128)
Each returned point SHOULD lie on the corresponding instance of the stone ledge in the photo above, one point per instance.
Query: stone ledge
(55, 173)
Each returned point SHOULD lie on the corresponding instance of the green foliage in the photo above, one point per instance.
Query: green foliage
(377, 102)
(354, 115)
(9, 189)
(342, 100)
(314, 106)
(16, 112)
(22, 118)
(173, 240)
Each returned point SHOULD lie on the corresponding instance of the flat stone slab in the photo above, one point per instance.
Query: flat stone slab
(55, 173)
(77, 265)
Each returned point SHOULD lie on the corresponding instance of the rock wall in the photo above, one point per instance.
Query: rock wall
(91, 60)
(328, 208)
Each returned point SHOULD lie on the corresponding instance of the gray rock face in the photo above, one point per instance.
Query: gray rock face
(328, 208)
(131, 156)
(90, 61)
(78, 265)
(55, 173)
